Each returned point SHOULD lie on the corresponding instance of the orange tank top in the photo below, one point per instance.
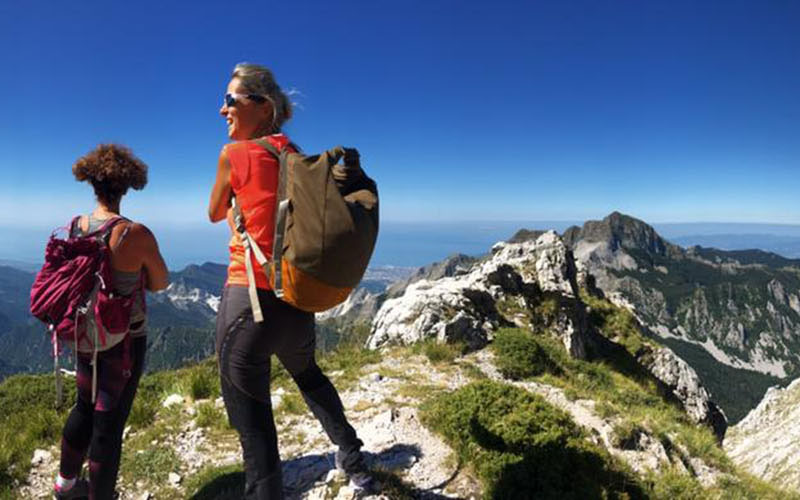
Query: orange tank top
(254, 181)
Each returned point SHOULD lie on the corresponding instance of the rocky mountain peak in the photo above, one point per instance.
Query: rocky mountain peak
(620, 231)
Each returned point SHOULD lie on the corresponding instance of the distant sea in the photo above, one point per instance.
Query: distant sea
(414, 243)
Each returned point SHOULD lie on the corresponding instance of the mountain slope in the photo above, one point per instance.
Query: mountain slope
(435, 424)
(741, 307)
(503, 380)
(767, 441)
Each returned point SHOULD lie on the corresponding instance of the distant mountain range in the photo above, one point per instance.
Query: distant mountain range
(786, 246)
(180, 318)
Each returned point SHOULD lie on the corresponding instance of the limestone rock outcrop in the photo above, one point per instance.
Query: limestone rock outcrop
(684, 384)
(501, 290)
(767, 441)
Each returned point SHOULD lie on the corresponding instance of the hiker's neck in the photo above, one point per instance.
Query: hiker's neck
(107, 208)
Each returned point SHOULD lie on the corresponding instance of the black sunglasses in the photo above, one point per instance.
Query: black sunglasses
(230, 99)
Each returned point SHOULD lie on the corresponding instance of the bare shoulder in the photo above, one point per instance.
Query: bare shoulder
(140, 235)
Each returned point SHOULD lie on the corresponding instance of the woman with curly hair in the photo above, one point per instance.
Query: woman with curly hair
(96, 428)
(254, 108)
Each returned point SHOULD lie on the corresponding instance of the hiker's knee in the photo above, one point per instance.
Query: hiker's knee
(78, 428)
(311, 378)
(106, 435)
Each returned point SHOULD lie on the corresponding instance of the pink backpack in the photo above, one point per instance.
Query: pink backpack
(73, 294)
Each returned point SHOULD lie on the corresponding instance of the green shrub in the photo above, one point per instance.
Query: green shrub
(675, 485)
(148, 398)
(745, 486)
(204, 382)
(292, 404)
(626, 434)
(520, 355)
(523, 447)
(211, 417)
(439, 352)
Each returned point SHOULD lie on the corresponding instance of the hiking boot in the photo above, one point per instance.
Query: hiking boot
(356, 471)
(79, 490)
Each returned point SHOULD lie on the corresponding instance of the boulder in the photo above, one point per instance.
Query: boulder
(463, 307)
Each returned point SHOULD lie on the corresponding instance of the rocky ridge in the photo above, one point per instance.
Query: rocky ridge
(531, 284)
(767, 441)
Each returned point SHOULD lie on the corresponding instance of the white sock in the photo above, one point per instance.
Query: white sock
(63, 484)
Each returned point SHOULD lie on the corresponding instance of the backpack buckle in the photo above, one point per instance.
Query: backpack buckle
(238, 221)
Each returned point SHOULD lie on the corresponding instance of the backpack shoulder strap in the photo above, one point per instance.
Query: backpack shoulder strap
(122, 236)
(269, 147)
(73, 226)
(104, 231)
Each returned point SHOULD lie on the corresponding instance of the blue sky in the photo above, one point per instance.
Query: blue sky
(669, 111)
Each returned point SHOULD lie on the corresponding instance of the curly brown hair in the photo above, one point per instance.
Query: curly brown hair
(111, 169)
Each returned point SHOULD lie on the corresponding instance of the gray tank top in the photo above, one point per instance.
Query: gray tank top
(125, 282)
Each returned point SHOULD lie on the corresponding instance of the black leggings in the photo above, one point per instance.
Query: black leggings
(98, 428)
(244, 348)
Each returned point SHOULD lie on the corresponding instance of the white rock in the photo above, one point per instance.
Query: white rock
(174, 479)
(172, 399)
(462, 308)
(346, 493)
(767, 441)
(333, 475)
(40, 457)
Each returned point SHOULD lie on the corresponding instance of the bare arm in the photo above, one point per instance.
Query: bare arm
(221, 192)
(156, 274)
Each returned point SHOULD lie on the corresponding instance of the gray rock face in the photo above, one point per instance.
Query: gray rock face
(685, 385)
(767, 441)
(502, 290)
(453, 265)
(360, 305)
(712, 298)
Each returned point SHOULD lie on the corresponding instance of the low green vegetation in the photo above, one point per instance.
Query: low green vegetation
(735, 390)
(204, 381)
(28, 420)
(636, 406)
(520, 446)
(151, 463)
(211, 417)
(616, 394)
(617, 324)
(519, 356)
(439, 352)
(347, 361)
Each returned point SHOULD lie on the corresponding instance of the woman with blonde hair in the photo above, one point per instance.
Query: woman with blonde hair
(255, 108)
